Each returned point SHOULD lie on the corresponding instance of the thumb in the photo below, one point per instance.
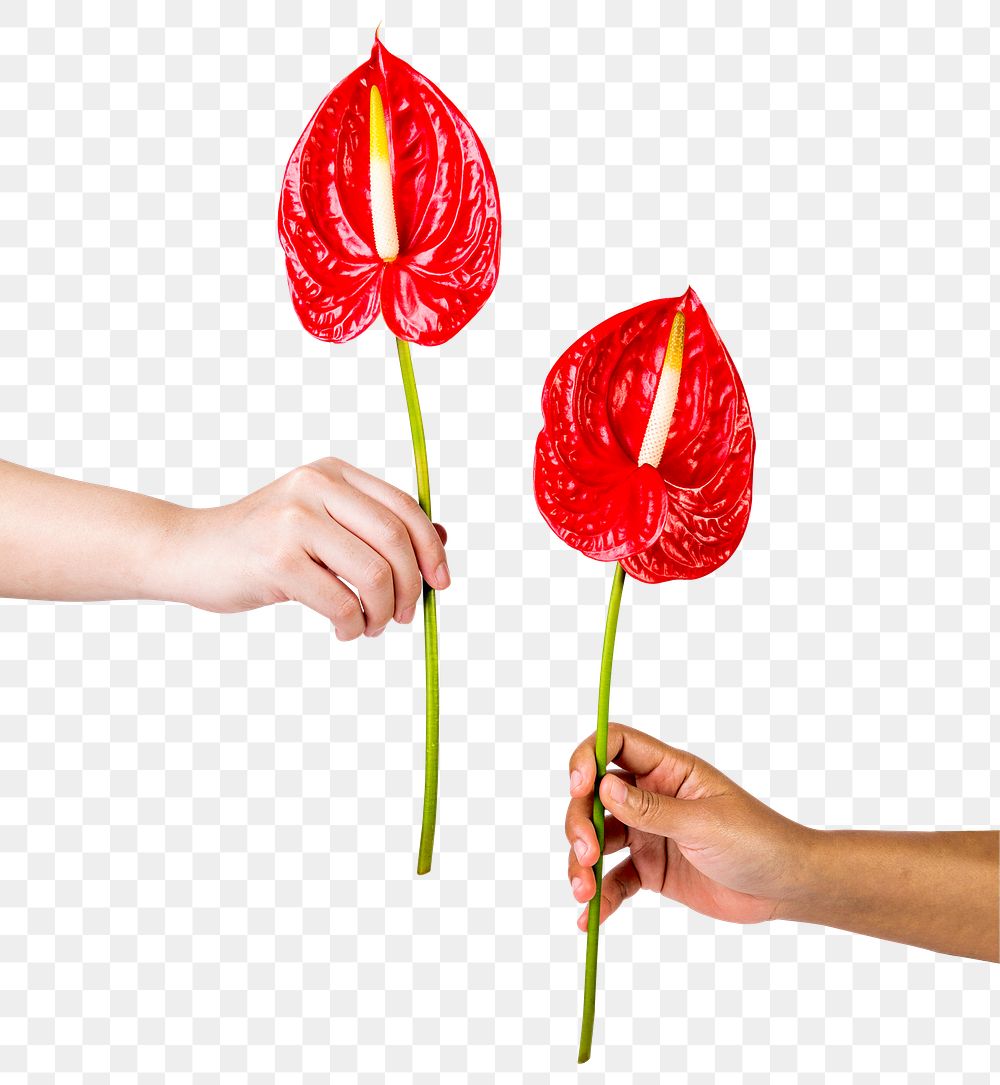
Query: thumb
(646, 810)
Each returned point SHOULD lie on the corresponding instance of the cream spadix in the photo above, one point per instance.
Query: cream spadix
(380, 177)
(665, 399)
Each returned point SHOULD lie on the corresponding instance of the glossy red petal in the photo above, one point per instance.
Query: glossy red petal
(447, 210)
(446, 203)
(704, 525)
(324, 216)
(605, 522)
(588, 486)
(707, 465)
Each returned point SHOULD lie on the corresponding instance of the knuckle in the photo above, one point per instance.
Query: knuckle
(645, 806)
(411, 590)
(378, 575)
(402, 501)
(293, 516)
(347, 612)
(578, 757)
(304, 479)
(394, 532)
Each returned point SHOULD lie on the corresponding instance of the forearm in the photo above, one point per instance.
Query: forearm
(68, 540)
(936, 890)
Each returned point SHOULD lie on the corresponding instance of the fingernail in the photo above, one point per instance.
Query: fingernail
(442, 576)
(617, 791)
(407, 615)
(575, 779)
(581, 919)
(581, 850)
(375, 632)
(577, 886)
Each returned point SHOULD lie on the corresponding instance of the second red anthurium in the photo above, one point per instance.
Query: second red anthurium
(646, 455)
(645, 459)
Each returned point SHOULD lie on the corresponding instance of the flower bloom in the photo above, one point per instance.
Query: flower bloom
(646, 455)
(389, 203)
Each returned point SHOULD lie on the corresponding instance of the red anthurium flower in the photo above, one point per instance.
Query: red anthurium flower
(389, 203)
(646, 460)
(646, 456)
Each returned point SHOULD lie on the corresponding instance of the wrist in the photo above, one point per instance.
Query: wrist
(836, 874)
(160, 553)
(808, 867)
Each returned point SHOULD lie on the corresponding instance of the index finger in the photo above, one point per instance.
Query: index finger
(633, 750)
(427, 544)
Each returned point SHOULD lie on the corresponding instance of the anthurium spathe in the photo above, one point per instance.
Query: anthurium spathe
(389, 203)
(646, 455)
(645, 459)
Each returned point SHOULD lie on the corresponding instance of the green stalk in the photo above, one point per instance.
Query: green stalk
(430, 617)
(601, 753)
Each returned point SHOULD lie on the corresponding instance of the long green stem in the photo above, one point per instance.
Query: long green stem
(430, 618)
(601, 753)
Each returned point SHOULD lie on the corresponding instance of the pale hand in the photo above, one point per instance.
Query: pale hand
(306, 536)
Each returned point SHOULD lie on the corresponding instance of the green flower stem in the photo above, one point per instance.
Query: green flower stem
(601, 752)
(430, 618)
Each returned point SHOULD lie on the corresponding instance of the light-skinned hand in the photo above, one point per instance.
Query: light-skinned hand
(305, 537)
(309, 536)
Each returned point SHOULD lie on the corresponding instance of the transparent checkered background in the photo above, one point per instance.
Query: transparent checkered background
(207, 823)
